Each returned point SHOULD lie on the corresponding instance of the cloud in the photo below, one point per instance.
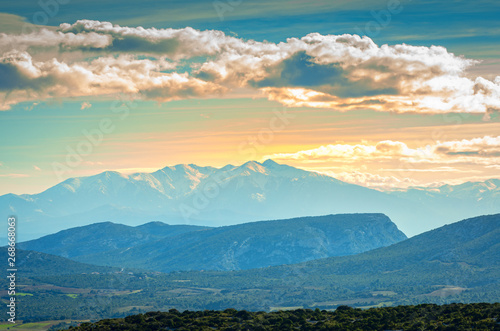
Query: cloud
(174, 43)
(393, 164)
(45, 39)
(386, 149)
(340, 72)
(372, 180)
(85, 105)
(36, 168)
(485, 147)
(95, 36)
(483, 150)
(26, 79)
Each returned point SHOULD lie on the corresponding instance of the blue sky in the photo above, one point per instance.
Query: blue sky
(209, 119)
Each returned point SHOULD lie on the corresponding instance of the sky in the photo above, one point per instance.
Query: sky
(385, 94)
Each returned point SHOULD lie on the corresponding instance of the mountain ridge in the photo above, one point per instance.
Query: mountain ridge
(234, 247)
(211, 196)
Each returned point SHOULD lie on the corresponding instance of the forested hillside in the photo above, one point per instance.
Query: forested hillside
(480, 316)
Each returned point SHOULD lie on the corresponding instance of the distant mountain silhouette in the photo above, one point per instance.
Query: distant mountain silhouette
(190, 194)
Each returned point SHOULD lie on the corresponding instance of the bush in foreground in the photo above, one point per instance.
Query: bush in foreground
(478, 316)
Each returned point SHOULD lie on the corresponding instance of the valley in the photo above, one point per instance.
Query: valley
(457, 262)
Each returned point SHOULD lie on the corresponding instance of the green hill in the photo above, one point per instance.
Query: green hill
(244, 246)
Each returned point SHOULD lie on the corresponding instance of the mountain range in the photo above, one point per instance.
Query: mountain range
(466, 199)
(459, 262)
(160, 247)
(208, 196)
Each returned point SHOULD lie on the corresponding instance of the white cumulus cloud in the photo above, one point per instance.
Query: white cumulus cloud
(340, 72)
